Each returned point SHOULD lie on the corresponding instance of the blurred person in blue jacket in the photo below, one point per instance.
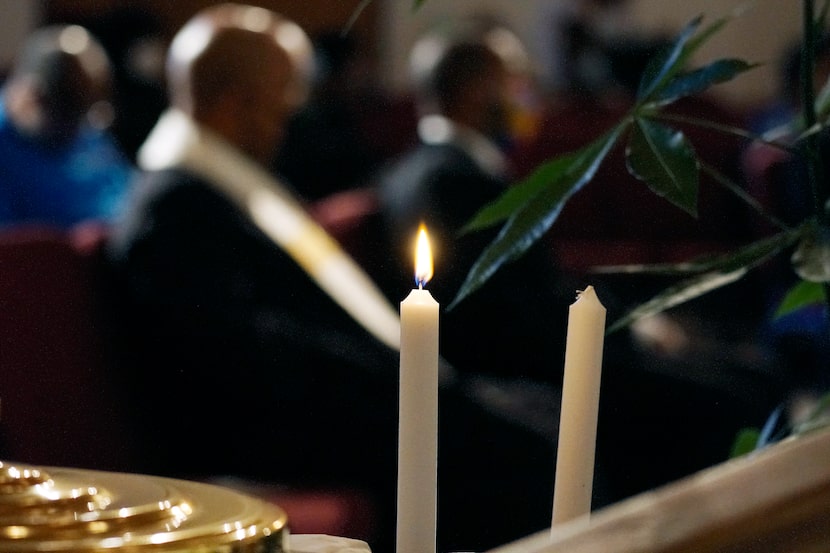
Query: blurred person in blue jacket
(59, 166)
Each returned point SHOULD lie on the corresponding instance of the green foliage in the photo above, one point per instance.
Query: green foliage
(745, 442)
(662, 158)
(663, 67)
(519, 194)
(708, 273)
(699, 80)
(536, 204)
(656, 153)
(803, 294)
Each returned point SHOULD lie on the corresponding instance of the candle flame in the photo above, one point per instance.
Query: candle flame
(423, 257)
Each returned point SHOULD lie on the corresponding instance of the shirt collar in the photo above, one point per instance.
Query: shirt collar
(179, 141)
(437, 129)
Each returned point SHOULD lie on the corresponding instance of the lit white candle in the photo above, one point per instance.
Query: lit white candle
(418, 412)
(580, 408)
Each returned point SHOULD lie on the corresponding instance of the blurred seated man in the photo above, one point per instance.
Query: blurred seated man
(243, 356)
(515, 325)
(58, 164)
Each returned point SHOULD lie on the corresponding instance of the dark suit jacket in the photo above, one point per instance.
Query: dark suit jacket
(215, 311)
(239, 364)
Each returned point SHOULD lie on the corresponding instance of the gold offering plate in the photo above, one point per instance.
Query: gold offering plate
(69, 510)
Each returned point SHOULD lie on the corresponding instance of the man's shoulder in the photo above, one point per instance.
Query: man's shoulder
(435, 154)
(169, 208)
(173, 181)
(175, 195)
(424, 162)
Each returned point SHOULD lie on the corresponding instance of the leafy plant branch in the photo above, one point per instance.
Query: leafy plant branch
(660, 155)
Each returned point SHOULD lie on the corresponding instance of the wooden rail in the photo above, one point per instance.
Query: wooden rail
(775, 500)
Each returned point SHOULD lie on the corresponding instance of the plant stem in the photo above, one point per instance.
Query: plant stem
(815, 169)
(355, 14)
(808, 101)
(723, 129)
(741, 194)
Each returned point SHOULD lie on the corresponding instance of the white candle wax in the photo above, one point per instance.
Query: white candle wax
(418, 423)
(580, 408)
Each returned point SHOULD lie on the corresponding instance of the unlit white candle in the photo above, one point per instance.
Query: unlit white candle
(418, 419)
(580, 408)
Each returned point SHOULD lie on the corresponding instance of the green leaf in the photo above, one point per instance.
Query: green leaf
(700, 39)
(535, 217)
(822, 102)
(757, 252)
(745, 442)
(665, 65)
(821, 20)
(416, 4)
(719, 271)
(663, 158)
(801, 295)
(519, 194)
(751, 254)
(684, 268)
(700, 79)
(662, 68)
(680, 293)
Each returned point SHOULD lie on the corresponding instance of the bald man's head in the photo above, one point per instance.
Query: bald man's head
(240, 71)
